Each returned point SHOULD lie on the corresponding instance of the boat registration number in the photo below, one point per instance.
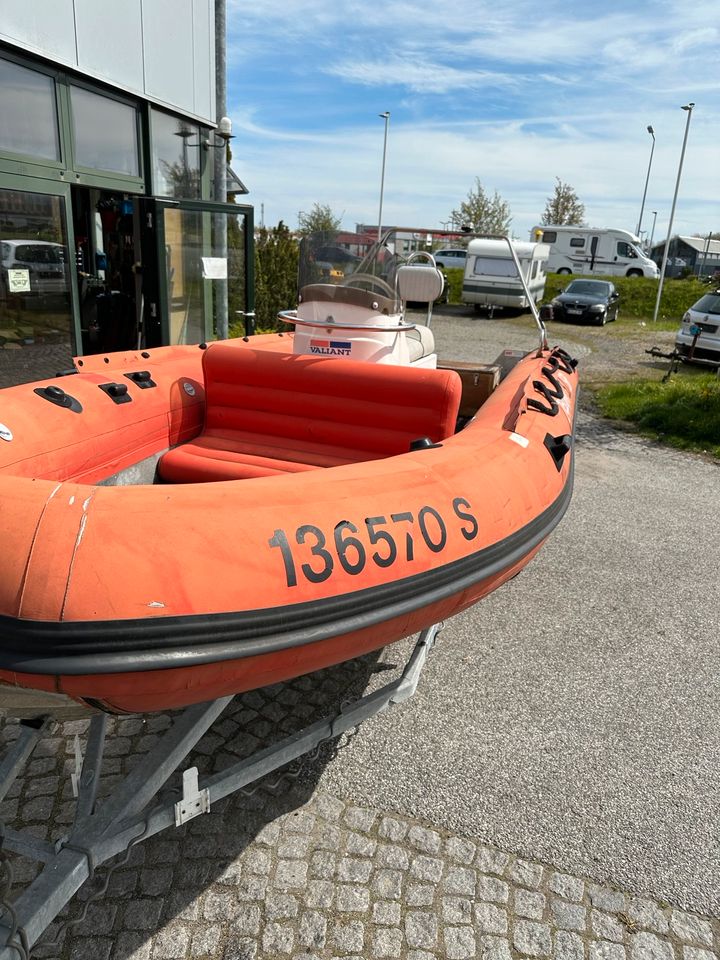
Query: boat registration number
(314, 555)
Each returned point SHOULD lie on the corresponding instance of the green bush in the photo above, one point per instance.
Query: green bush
(276, 267)
(638, 295)
(454, 280)
(684, 412)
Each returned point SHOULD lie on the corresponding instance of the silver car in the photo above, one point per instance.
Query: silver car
(698, 339)
(33, 267)
(451, 257)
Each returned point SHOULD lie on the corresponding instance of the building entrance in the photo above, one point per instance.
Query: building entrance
(108, 260)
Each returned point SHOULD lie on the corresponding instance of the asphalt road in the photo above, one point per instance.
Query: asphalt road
(574, 715)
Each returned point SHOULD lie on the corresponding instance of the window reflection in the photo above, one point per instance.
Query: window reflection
(205, 271)
(35, 311)
(105, 130)
(177, 152)
(29, 117)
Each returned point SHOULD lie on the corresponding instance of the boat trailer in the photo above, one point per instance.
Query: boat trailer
(135, 811)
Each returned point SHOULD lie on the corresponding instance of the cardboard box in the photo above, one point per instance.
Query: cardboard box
(478, 382)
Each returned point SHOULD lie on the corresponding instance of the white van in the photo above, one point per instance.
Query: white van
(491, 278)
(608, 252)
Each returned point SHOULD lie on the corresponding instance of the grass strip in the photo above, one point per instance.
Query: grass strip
(683, 412)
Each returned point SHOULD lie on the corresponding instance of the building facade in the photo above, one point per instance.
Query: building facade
(698, 255)
(114, 233)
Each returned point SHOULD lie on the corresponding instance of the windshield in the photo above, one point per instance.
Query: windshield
(593, 288)
(710, 303)
(356, 261)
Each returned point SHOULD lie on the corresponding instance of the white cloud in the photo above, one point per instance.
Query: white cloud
(513, 94)
(417, 74)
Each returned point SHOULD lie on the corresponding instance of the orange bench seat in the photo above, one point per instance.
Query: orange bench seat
(269, 414)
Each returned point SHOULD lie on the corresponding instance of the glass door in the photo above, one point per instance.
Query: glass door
(205, 260)
(38, 328)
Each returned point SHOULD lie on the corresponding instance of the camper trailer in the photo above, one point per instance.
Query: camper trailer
(491, 278)
(606, 252)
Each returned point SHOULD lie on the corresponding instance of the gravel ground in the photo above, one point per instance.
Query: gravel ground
(607, 353)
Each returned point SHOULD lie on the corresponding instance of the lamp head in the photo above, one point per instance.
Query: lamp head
(651, 131)
(385, 116)
(688, 107)
(224, 128)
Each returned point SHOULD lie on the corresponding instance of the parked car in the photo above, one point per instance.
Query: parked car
(587, 301)
(451, 257)
(34, 267)
(698, 339)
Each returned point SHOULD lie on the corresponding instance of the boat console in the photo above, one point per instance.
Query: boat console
(361, 316)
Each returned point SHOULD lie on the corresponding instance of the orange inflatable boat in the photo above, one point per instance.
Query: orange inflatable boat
(308, 510)
(186, 523)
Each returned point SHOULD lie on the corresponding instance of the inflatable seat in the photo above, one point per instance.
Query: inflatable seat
(270, 413)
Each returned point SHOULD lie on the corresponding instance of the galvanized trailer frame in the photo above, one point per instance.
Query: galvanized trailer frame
(134, 812)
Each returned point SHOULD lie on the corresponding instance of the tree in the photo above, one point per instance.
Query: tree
(563, 208)
(276, 262)
(483, 214)
(320, 220)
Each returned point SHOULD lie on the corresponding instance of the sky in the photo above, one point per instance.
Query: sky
(515, 94)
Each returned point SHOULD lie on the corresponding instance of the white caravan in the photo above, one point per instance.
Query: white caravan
(491, 278)
(607, 252)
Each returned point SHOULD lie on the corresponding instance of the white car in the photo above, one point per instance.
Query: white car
(37, 267)
(698, 339)
(451, 257)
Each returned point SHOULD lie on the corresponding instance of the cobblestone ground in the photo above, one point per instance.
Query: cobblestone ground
(292, 872)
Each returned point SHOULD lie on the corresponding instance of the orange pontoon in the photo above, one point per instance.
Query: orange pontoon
(187, 523)
(316, 535)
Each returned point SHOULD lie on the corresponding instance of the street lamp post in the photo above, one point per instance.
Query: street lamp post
(386, 117)
(688, 107)
(652, 231)
(647, 179)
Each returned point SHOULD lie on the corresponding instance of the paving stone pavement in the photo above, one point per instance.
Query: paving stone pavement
(290, 871)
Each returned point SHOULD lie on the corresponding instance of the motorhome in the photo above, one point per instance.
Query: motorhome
(491, 279)
(602, 251)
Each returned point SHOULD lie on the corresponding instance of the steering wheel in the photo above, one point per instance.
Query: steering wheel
(368, 281)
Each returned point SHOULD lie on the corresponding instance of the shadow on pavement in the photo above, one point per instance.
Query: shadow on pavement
(163, 877)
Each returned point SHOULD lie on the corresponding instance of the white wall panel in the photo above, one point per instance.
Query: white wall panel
(169, 52)
(44, 26)
(109, 40)
(163, 49)
(204, 57)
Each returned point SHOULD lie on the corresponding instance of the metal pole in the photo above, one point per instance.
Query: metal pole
(386, 117)
(220, 158)
(652, 231)
(706, 251)
(689, 109)
(647, 179)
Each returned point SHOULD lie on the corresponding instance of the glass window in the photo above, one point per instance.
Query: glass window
(577, 241)
(29, 116)
(494, 267)
(35, 311)
(626, 250)
(710, 303)
(205, 272)
(534, 269)
(176, 151)
(105, 132)
(549, 236)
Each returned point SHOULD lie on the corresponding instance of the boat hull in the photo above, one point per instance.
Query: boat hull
(151, 597)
